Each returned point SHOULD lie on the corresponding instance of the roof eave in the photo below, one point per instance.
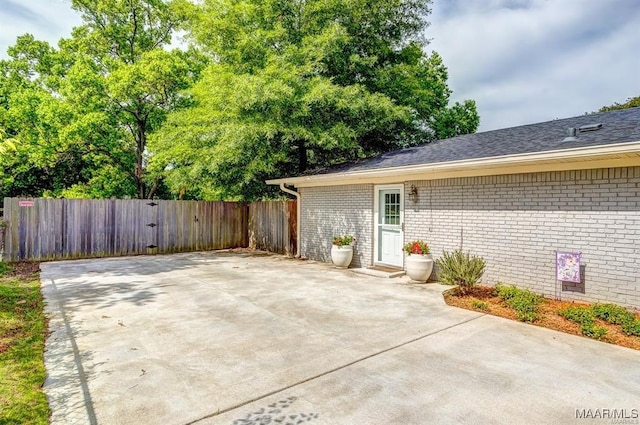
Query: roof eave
(602, 156)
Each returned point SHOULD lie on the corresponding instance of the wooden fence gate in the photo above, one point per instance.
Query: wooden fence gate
(48, 229)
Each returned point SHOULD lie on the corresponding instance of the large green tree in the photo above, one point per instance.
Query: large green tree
(30, 117)
(90, 105)
(295, 85)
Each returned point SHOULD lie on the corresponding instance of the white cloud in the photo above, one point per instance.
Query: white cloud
(535, 60)
(47, 20)
(523, 61)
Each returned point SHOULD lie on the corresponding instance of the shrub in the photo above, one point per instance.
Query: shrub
(458, 268)
(593, 331)
(578, 314)
(480, 305)
(612, 313)
(585, 316)
(524, 302)
(631, 327)
(506, 292)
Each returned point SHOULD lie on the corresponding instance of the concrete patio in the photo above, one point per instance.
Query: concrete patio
(251, 338)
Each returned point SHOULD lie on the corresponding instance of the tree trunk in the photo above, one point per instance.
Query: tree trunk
(141, 143)
(302, 156)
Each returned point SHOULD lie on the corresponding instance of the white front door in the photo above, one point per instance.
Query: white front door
(389, 216)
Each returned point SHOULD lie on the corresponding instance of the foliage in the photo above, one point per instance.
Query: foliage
(524, 302)
(4, 268)
(632, 102)
(22, 335)
(612, 313)
(631, 327)
(76, 119)
(616, 315)
(578, 314)
(592, 331)
(287, 87)
(480, 305)
(343, 240)
(585, 317)
(294, 86)
(458, 268)
(416, 247)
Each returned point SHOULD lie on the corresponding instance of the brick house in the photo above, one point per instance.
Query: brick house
(513, 196)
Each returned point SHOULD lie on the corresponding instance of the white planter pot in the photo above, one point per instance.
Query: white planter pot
(419, 267)
(341, 256)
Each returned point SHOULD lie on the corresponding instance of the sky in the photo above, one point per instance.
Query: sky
(522, 61)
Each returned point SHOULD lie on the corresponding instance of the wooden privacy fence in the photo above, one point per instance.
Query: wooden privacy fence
(47, 229)
(273, 226)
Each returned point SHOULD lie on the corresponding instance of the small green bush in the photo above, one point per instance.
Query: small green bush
(480, 305)
(631, 327)
(524, 302)
(579, 314)
(585, 316)
(593, 331)
(612, 313)
(506, 292)
(458, 268)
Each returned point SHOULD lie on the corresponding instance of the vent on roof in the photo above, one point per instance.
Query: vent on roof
(590, 127)
(572, 135)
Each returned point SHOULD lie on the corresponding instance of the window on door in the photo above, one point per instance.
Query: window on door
(391, 209)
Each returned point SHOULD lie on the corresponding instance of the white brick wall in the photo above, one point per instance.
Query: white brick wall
(516, 222)
(337, 210)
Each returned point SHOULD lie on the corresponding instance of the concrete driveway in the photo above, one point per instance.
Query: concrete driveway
(249, 338)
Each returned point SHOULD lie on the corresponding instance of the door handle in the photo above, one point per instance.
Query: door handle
(402, 226)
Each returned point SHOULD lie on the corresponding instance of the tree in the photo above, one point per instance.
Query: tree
(102, 93)
(632, 102)
(296, 85)
(129, 81)
(29, 125)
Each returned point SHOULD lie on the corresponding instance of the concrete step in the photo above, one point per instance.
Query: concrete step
(379, 271)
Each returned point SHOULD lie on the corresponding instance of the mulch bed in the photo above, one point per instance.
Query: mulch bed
(549, 317)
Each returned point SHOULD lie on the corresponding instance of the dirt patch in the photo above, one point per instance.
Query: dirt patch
(23, 268)
(483, 299)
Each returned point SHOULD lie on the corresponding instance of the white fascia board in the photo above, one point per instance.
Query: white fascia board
(620, 154)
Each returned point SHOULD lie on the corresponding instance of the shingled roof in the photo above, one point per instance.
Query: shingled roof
(617, 127)
(509, 146)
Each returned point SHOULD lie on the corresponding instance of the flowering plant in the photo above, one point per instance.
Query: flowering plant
(416, 247)
(343, 240)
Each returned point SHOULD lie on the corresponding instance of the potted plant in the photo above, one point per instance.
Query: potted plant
(419, 263)
(342, 250)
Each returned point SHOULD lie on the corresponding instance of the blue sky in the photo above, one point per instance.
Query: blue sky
(523, 61)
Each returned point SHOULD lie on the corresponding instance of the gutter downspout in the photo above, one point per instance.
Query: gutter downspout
(298, 211)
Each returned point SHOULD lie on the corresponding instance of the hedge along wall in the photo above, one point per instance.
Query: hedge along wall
(517, 222)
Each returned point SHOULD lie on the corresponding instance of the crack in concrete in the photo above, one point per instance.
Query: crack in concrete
(328, 372)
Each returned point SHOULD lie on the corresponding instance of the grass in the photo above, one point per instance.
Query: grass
(22, 334)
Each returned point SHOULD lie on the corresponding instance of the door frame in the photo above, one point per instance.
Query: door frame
(376, 217)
